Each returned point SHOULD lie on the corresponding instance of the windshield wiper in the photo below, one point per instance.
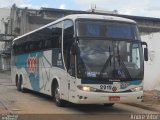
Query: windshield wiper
(108, 61)
(121, 63)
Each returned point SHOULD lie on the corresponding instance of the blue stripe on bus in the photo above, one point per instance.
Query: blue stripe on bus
(91, 81)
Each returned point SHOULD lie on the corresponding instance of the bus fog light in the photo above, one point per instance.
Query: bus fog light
(86, 88)
(136, 89)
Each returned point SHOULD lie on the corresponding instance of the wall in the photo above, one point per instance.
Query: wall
(152, 67)
(4, 14)
(4, 19)
(25, 20)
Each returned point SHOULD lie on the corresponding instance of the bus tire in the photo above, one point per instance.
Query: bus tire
(19, 84)
(56, 95)
(16, 81)
(22, 89)
(108, 104)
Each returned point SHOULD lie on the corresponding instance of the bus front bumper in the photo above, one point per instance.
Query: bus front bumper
(101, 98)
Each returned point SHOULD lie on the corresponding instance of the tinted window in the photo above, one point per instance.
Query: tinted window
(54, 36)
(67, 41)
(119, 31)
(47, 38)
(106, 29)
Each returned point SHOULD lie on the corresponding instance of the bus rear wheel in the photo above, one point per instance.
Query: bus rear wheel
(20, 85)
(16, 81)
(56, 95)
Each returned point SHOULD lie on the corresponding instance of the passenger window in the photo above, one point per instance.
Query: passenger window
(67, 43)
(55, 35)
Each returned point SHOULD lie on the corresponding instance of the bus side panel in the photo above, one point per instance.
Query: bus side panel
(61, 76)
(38, 69)
(27, 66)
(26, 81)
(45, 64)
(59, 73)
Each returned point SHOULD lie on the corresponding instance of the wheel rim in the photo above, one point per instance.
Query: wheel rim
(57, 94)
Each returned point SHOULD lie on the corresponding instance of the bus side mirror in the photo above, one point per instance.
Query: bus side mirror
(74, 49)
(146, 54)
(145, 51)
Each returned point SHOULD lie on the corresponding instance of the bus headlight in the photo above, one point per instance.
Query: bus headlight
(136, 89)
(86, 88)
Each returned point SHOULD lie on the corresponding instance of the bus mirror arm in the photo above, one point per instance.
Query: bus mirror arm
(145, 51)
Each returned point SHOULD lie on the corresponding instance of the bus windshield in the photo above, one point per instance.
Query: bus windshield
(110, 59)
(111, 55)
(106, 29)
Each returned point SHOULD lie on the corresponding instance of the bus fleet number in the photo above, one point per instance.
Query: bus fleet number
(105, 87)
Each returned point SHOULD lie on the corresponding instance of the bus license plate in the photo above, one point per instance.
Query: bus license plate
(114, 98)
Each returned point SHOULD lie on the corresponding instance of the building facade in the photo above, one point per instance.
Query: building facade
(25, 20)
(4, 27)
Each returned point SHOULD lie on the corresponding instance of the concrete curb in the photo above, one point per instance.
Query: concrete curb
(144, 106)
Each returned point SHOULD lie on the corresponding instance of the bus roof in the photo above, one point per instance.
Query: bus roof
(95, 16)
(85, 16)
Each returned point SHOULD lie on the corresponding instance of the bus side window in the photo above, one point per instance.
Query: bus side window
(32, 47)
(54, 35)
(67, 43)
(41, 45)
(48, 44)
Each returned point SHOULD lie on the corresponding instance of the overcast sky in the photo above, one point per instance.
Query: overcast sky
(148, 8)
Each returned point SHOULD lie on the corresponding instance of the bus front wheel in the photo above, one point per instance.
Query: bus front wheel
(108, 104)
(56, 94)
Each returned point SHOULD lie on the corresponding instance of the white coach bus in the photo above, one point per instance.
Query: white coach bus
(83, 59)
